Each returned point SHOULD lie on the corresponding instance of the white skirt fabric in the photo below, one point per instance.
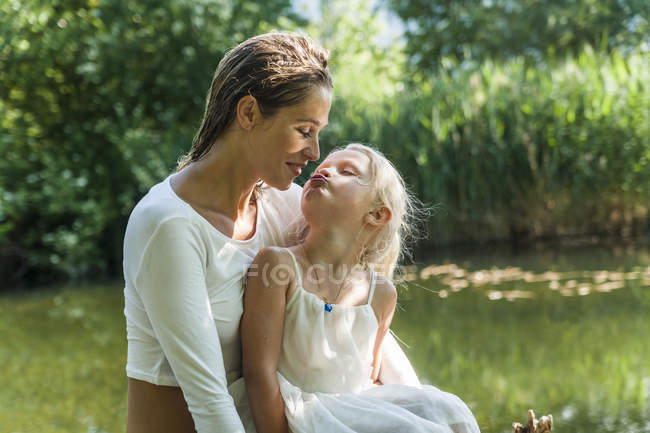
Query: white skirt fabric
(385, 408)
(380, 409)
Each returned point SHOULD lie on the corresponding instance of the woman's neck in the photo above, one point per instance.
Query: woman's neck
(220, 181)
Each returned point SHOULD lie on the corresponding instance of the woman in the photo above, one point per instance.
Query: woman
(190, 240)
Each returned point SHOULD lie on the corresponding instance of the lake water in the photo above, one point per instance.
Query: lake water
(562, 330)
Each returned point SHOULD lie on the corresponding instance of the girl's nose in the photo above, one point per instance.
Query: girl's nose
(325, 172)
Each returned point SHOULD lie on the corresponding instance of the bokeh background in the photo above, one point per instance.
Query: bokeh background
(524, 123)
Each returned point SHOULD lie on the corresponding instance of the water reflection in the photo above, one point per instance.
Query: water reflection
(583, 359)
(570, 341)
(574, 283)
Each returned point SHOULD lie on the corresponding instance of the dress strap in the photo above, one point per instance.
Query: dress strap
(372, 286)
(295, 263)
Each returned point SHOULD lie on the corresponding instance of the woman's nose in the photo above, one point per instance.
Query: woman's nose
(313, 152)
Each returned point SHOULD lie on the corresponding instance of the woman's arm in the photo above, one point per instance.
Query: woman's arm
(383, 303)
(171, 283)
(261, 333)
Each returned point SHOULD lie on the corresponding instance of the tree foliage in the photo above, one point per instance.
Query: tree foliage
(500, 29)
(98, 99)
(506, 150)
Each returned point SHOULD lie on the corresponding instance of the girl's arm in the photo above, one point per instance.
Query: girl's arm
(261, 333)
(395, 366)
(383, 303)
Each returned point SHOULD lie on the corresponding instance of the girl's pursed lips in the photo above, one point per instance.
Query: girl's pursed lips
(318, 178)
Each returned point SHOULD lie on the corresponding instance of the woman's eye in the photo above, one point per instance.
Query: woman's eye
(348, 172)
(305, 134)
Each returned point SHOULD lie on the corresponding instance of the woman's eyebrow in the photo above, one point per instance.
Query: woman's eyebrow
(314, 121)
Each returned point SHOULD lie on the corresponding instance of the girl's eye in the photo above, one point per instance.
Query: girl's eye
(348, 172)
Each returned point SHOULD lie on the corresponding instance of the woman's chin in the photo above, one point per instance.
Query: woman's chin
(283, 187)
(281, 184)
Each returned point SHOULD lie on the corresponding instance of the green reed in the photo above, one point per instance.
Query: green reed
(512, 150)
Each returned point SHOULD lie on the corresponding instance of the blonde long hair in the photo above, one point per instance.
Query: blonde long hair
(389, 244)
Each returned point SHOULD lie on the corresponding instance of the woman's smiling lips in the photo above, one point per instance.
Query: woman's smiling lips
(296, 168)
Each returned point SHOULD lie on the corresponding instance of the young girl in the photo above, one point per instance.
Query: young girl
(315, 314)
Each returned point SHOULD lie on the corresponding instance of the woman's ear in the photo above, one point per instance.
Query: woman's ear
(378, 217)
(248, 112)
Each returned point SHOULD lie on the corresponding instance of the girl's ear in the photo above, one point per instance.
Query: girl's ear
(248, 112)
(378, 217)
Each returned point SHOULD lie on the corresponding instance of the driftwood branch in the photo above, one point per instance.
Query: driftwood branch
(543, 425)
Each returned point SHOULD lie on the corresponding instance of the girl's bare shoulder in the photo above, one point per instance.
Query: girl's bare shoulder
(272, 266)
(385, 296)
(273, 255)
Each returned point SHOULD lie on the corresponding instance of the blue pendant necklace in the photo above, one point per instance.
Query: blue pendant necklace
(328, 306)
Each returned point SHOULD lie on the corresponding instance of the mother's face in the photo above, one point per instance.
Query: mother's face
(286, 141)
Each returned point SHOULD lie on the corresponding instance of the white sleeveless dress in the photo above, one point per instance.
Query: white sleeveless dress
(324, 376)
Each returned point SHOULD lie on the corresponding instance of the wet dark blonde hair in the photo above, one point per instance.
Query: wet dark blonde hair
(277, 69)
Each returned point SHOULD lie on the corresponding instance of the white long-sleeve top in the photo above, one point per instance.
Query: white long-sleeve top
(183, 297)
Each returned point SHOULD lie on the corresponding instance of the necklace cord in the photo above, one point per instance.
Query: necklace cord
(318, 279)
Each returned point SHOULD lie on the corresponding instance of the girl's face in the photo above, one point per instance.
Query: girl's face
(339, 191)
(285, 142)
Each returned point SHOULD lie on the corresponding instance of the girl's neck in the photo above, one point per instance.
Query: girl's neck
(332, 247)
